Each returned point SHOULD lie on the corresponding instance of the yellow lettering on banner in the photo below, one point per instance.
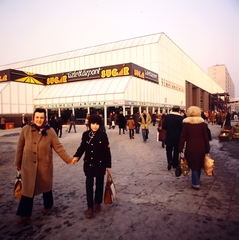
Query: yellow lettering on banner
(114, 72)
(55, 80)
(50, 80)
(126, 71)
(108, 72)
(63, 78)
(3, 78)
(103, 74)
(137, 73)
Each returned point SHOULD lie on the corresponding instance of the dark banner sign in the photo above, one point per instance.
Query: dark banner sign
(143, 73)
(127, 69)
(4, 75)
(20, 76)
(104, 72)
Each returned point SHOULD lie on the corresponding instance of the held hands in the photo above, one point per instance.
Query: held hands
(74, 160)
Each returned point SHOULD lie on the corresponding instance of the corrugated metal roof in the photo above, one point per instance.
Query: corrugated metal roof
(87, 51)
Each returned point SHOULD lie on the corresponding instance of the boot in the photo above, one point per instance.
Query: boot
(89, 213)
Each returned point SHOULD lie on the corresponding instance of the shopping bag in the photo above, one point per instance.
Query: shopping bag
(183, 164)
(113, 123)
(18, 186)
(110, 190)
(208, 165)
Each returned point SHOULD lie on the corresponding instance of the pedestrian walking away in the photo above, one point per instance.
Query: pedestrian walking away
(194, 134)
(173, 126)
(162, 132)
(34, 158)
(136, 122)
(121, 122)
(131, 126)
(59, 126)
(97, 160)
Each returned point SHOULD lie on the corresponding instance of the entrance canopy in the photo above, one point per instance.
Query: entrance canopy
(93, 90)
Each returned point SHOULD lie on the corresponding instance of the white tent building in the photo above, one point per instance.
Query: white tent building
(159, 76)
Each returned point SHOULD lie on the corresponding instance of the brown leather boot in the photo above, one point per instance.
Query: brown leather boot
(89, 213)
(22, 221)
(97, 208)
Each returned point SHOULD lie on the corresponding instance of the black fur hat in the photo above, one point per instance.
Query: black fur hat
(95, 118)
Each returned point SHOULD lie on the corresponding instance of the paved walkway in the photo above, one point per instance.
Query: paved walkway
(151, 202)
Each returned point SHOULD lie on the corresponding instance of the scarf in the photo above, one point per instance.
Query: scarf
(42, 130)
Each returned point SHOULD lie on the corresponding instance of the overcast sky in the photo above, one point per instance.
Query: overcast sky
(206, 30)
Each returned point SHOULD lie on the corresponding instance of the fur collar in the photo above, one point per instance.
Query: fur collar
(175, 113)
(193, 120)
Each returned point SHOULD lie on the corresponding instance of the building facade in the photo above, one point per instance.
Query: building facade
(149, 72)
(221, 76)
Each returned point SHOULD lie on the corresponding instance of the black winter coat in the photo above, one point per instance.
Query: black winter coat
(173, 124)
(97, 153)
(121, 121)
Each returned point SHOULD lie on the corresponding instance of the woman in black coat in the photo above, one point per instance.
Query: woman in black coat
(97, 160)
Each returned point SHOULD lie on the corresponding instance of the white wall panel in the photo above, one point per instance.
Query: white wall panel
(84, 98)
(14, 92)
(22, 108)
(100, 97)
(82, 63)
(114, 56)
(103, 59)
(6, 108)
(29, 108)
(92, 60)
(6, 95)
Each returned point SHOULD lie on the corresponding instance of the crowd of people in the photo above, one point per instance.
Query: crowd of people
(179, 131)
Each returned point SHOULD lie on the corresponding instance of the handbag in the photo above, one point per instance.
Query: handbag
(183, 164)
(110, 190)
(18, 186)
(208, 165)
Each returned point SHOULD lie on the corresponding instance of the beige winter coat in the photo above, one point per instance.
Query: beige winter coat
(35, 157)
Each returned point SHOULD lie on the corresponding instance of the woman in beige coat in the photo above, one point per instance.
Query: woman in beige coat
(34, 157)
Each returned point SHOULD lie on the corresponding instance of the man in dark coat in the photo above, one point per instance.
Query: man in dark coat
(136, 122)
(173, 126)
(73, 122)
(121, 122)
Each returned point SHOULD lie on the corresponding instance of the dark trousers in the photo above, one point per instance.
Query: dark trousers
(131, 133)
(137, 127)
(74, 125)
(59, 130)
(172, 155)
(26, 204)
(98, 190)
